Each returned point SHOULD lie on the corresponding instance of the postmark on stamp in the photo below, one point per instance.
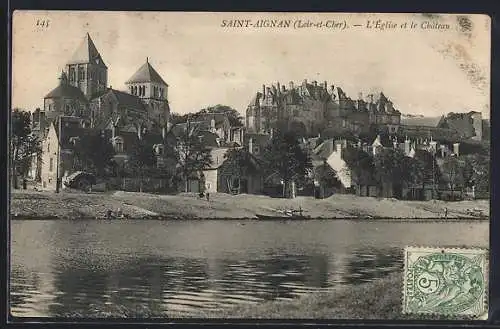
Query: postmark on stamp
(445, 281)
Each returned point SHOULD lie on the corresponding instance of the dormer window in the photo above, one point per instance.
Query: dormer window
(118, 144)
(74, 140)
(158, 149)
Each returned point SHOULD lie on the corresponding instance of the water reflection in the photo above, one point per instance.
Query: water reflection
(89, 270)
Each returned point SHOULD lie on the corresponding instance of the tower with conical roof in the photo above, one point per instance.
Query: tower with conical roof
(86, 69)
(148, 85)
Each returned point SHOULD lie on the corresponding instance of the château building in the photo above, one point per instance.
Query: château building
(310, 108)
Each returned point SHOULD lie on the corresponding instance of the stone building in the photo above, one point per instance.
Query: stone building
(86, 69)
(87, 105)
(310, 108)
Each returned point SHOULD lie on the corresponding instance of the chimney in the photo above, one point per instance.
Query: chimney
(456, 148)
(433, 146)
(139, 132)
(35, 117)
(290, 85)
(315, 83)
(283, 89)
(42, 120)
(325, 84)
(278, 86)
(330, 146)
(212, 124)
(338, 146)
(263, 91)
(407, 146)
(250, 145)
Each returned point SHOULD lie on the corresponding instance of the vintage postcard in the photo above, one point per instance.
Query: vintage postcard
(249, 165)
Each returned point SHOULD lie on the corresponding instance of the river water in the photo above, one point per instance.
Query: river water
(60, 267)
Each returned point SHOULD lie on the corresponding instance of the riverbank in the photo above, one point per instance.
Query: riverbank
(28, 204)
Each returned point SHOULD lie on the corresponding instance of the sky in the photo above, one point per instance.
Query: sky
(422, 70)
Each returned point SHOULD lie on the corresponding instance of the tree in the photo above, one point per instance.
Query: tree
(360, 164)
(430, 173)
(193, 156)
(235, 118)
(93, 152)
(453, 171)
(23, 145)
(392, 167)
(239, 164)
(142, 160)
(285, 157)
(477, 172)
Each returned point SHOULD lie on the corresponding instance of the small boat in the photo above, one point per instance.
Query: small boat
(285, 215)
(277, 217)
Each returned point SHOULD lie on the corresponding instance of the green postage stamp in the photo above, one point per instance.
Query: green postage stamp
(446, 281)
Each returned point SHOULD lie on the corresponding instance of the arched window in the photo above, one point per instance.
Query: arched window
(71, 74)
(81, 73)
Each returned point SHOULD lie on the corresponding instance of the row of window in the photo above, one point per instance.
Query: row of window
(118, 145)
(82, 74)
(141, 91)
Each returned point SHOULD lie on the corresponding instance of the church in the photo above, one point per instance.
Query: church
(83, 102)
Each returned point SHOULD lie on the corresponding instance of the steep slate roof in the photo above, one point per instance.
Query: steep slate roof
(124, 99)
(146, 73)
(255, 99)
(325, 149)
(87, 53)
(128, 100)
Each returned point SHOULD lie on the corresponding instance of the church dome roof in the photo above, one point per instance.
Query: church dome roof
(66, 90)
